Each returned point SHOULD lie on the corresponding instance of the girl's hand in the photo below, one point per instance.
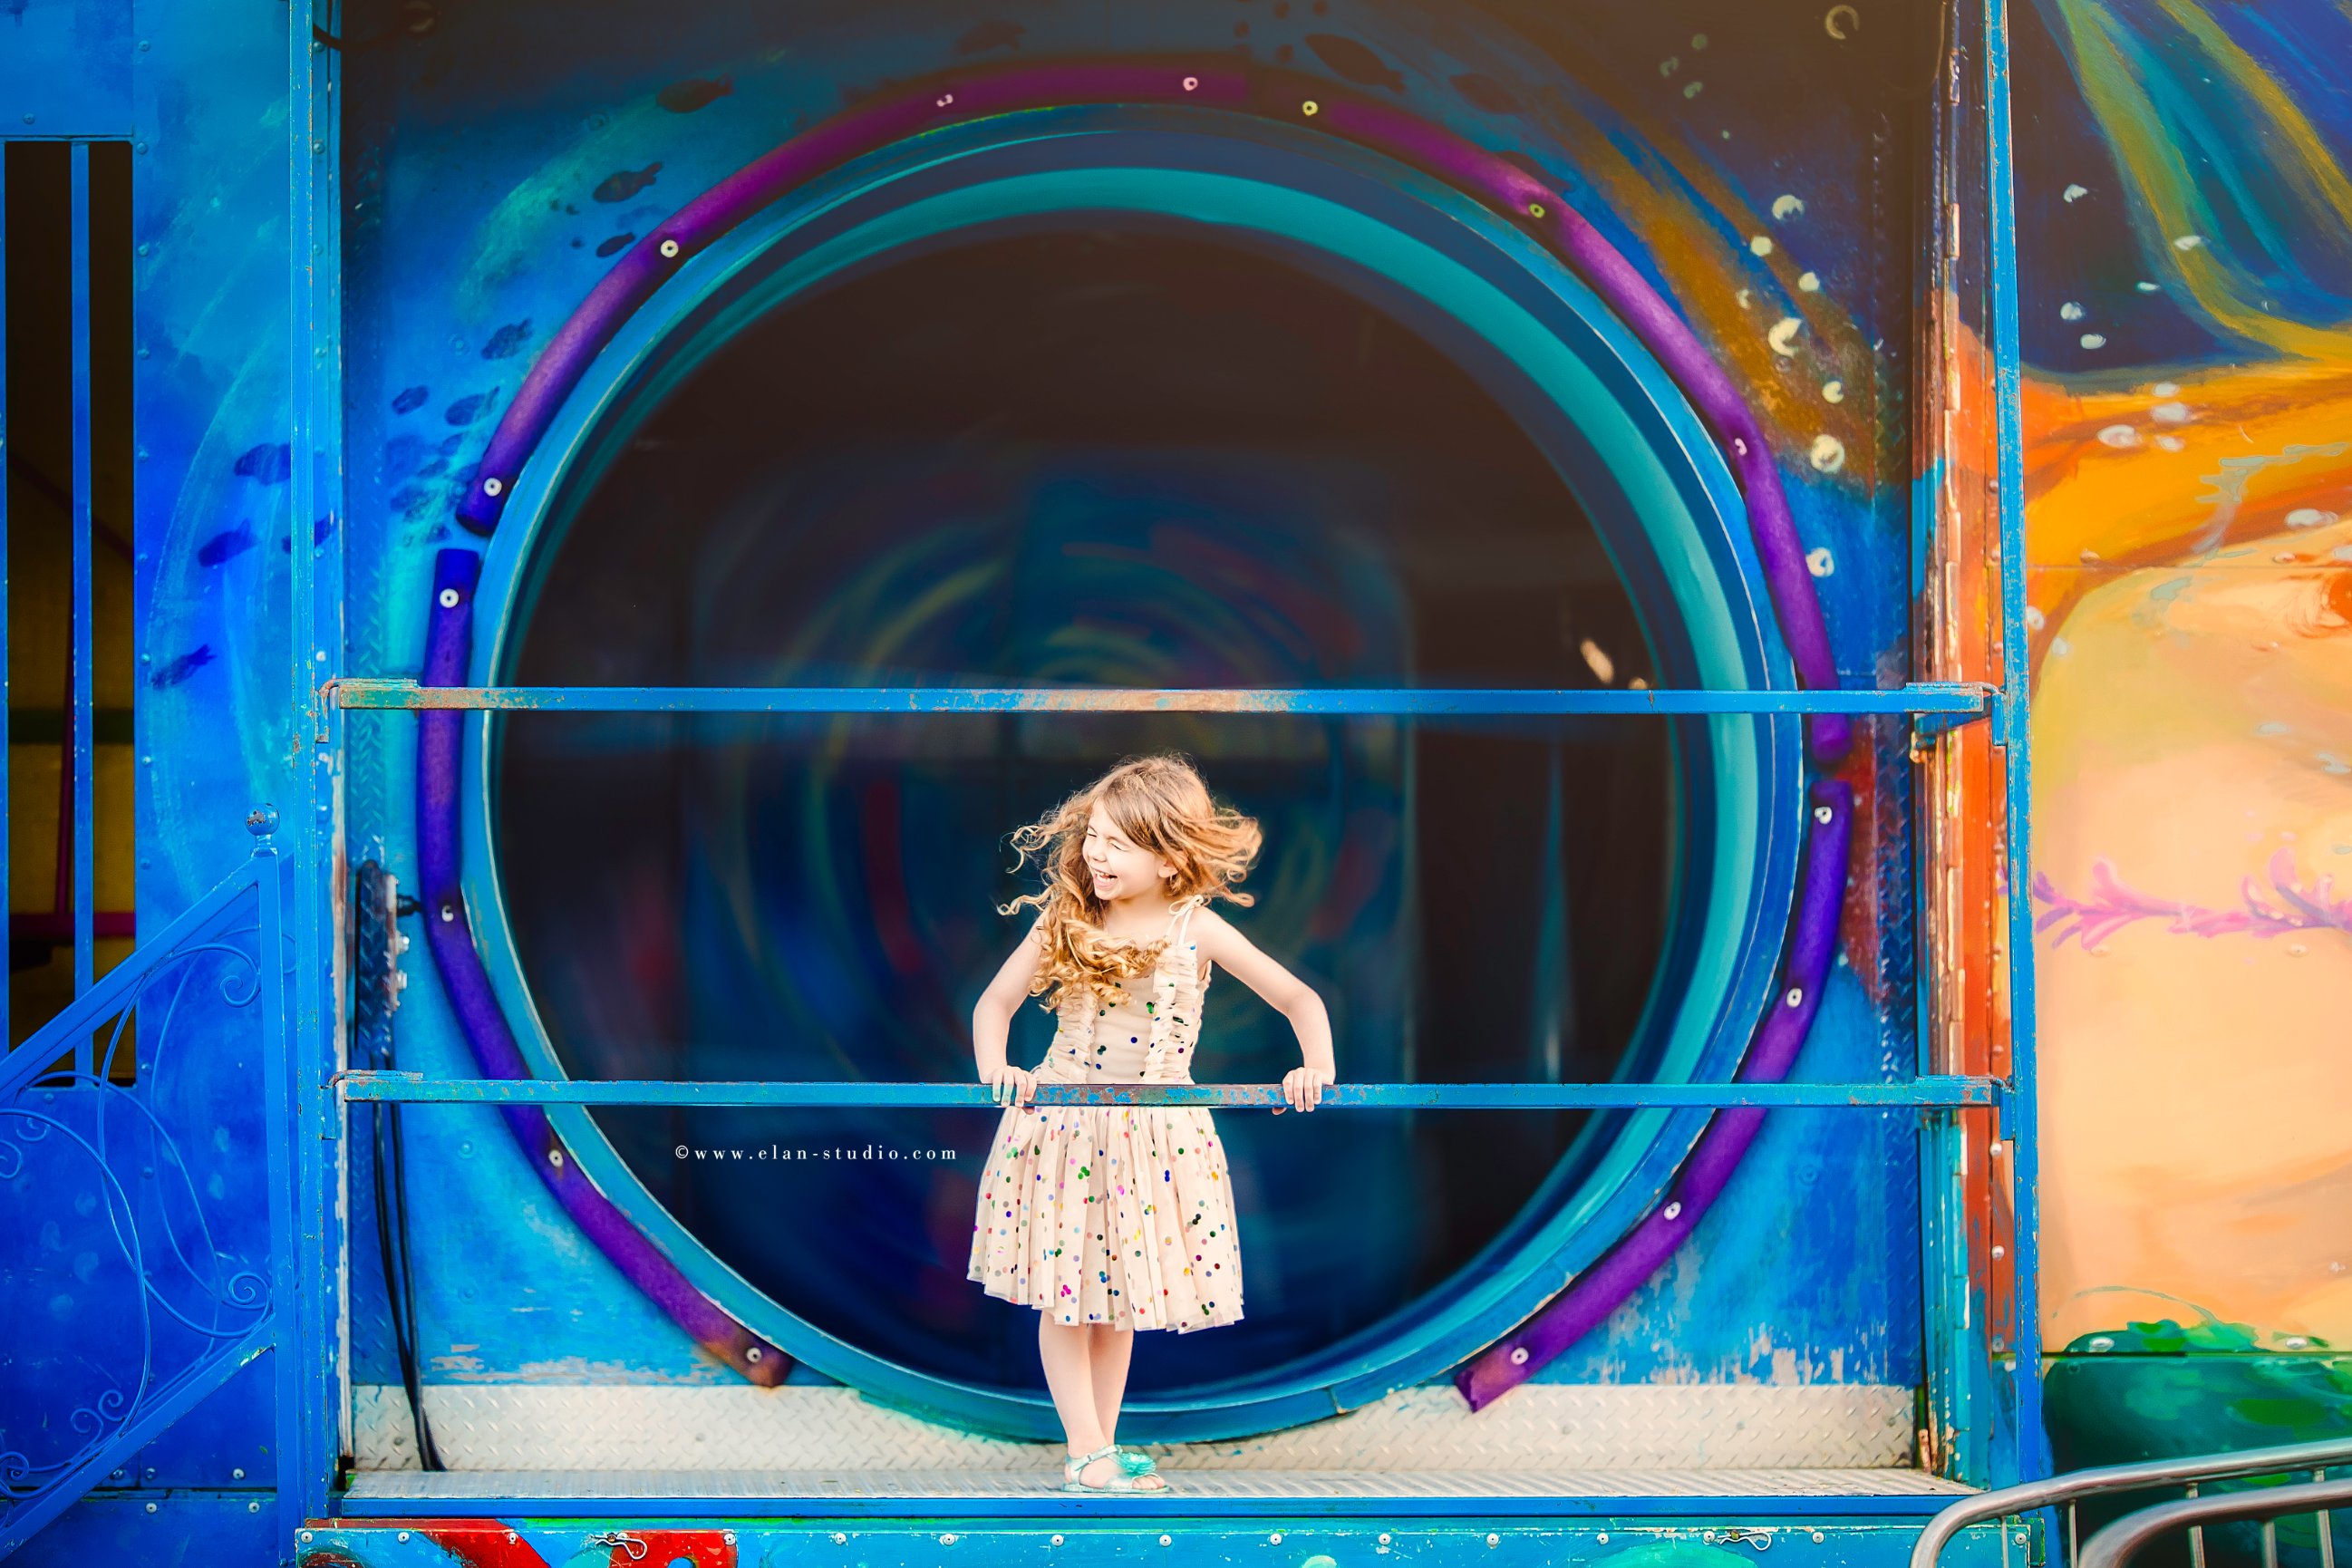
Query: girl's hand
(1011, 1085)
(1303, 1087)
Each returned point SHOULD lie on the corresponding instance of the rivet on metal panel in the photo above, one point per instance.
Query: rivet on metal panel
(1818, 1537)
(2101, 1342)
(448, 598)
(1055, 1541)
(1519, 1355)
(669, 247)
(1602, 1538)
(1999, 1343)
(402, 1537)
(151, 1508)
(1275, 1540)
(1309, 107)
(253, 1507)
(237, 1473)
(1673, 1211)
(752, 1353)
(947, 1541)
(728, 1536)
(840, 1540)
(491, 486)
(1384, 1538)
(1494, 1540)
(1190, 82)
(1163, 1540)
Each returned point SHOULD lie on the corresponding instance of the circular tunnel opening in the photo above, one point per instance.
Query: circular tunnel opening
(1101, 456)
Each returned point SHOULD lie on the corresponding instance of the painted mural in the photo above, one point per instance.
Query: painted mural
(2186, 230)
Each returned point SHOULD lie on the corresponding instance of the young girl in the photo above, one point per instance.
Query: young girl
(1108, 1219)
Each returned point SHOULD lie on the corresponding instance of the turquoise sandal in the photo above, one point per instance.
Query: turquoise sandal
(1132, 1467)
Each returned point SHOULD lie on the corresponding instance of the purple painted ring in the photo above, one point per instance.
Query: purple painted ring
(1624, 1267)
(439, 742)
(1284, 96)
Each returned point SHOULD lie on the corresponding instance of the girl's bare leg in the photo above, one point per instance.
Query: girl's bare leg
(1066, 1352)
(1112, 1349)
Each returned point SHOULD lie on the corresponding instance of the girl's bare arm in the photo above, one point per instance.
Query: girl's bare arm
(992, 1016)
(1219, 942)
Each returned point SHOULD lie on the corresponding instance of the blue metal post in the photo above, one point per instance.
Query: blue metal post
(84, 825)
(2014, 721)
(316, 1341)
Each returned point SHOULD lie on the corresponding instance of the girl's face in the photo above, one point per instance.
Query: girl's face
(1120, 869)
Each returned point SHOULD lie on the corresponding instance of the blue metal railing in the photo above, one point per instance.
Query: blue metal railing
(56, 1097)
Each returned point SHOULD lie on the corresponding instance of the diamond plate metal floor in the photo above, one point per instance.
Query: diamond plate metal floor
(1795, 1496)
(1548, 1428)
(644, 1487)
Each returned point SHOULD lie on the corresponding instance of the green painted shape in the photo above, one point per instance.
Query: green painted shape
(2166, 1389)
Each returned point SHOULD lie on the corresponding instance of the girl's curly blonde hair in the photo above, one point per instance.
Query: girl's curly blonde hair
(1160, 804)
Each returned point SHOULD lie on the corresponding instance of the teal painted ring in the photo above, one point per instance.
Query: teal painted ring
(1645, 461)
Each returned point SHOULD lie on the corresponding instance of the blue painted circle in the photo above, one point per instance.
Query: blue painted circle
(1618, 431)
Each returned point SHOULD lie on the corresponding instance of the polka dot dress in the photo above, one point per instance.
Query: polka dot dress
(1115, 1213)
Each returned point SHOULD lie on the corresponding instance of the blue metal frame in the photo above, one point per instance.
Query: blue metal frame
(2030, 1458)
(1962, 702)
(313, 1381)
(1926, 1093)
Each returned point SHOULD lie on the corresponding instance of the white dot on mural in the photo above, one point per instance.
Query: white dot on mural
(2309, 517)
(2034, 619)
(1827, 455)
(2119, 436)
(2070, 312)
(1785, 208)
(2075, 194)
(2061, 646)
(2144, 287)
(2095, 339)
(1693, 89)
(1808, 282)
(1834, 392)
(2168, 443)
(2188, 242)
(1783, 335)
(1760, 244)
(1821, 562)
(1742, 298)
(2165, 389)
(2170, 413)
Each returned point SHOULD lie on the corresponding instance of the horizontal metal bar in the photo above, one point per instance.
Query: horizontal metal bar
(1923, 1092)
(402, 694)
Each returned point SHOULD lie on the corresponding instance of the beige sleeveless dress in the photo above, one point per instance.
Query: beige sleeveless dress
(1118, 1215)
